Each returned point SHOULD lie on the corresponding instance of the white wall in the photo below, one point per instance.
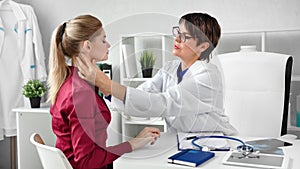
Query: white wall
(133, 16)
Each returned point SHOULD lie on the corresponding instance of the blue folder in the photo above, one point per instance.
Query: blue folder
(191, 157)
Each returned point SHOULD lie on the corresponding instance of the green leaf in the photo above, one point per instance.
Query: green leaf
(34, 88)
(147, 59)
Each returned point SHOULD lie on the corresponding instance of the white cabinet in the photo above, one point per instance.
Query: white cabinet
(161, 46)
(37, 120)
(114, 128)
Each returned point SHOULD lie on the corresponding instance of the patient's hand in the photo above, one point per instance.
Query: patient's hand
(147, 135)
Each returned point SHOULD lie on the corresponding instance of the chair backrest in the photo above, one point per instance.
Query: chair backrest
(50, 157)
(256, 89)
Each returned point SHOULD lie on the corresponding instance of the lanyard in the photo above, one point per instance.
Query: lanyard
(180, 73)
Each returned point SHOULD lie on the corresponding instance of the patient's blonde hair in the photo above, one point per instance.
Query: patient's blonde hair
(66, 43)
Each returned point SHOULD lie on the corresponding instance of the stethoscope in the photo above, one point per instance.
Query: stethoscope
(245, 149)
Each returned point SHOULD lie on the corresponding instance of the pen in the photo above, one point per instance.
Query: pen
(220, 149)
(191, 137)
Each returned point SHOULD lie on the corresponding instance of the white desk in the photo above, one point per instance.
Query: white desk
(156, 156)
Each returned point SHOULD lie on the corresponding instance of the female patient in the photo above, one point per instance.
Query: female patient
(79, 116)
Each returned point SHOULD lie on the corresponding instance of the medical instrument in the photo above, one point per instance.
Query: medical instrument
(244, 149)
(259, 161)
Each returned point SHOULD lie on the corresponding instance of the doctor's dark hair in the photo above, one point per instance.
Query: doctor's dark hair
(66, 42)
(204, 28)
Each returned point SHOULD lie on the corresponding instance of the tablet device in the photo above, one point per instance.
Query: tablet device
(260, 160)
(269, 146)
(272, 142)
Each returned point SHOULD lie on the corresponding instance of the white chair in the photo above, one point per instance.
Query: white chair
(50, 157)
(256, 89)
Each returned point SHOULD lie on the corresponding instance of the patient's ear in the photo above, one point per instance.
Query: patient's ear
(86, 47)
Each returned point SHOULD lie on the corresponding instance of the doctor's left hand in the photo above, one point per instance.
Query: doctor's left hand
(89, 71)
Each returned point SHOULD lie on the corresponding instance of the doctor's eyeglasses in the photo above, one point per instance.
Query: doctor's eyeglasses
(182, 36)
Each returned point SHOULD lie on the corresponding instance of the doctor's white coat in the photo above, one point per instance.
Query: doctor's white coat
(193, 105)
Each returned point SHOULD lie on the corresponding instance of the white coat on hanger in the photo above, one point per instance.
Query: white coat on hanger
(28, 53)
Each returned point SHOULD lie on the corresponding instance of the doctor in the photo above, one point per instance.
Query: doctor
(188, 92)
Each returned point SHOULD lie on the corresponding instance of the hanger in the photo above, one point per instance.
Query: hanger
(6, 1)
(5, 5)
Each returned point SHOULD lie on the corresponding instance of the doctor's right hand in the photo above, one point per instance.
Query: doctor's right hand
(89, 71)
(147, 135)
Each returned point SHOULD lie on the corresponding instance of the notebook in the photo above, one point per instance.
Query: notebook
(190, 157)
(185, 141)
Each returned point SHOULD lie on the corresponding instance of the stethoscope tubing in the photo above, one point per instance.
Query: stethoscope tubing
(243, 146)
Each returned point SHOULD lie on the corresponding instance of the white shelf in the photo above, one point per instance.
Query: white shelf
(151, 121)
(161, 46)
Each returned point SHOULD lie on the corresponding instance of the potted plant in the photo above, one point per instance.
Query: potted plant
(147, 61)
(34, 90)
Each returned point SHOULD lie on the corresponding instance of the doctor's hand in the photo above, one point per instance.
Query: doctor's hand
(147, 135)
(89, 71)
